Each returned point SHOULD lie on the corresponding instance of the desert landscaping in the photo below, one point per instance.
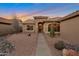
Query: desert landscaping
(34, 34)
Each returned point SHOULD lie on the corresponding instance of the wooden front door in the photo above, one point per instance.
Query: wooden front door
(40, 27)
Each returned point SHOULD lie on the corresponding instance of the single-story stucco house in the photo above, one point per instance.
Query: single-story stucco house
(40, 24)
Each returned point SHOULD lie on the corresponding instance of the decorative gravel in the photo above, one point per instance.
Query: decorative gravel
(25, 45)
(51, 41)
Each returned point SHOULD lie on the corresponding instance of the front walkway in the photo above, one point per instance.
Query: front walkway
(34, 45)
(42, 46)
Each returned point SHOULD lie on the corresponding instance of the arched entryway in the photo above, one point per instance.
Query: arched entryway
(40, 27)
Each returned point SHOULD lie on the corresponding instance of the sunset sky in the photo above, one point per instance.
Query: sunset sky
(24, 10)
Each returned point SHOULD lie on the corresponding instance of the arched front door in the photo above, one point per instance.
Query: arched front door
(40, 27)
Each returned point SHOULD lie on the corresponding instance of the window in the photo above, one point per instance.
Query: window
(29, 27)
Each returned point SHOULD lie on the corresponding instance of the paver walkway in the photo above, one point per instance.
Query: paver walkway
(42, 47)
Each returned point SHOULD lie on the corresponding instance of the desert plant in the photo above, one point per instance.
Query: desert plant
(59, 45)
(16, 25)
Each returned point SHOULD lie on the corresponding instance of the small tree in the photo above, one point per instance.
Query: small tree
(52, 32)
(16, 25)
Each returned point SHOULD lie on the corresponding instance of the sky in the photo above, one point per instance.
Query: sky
(24, 10)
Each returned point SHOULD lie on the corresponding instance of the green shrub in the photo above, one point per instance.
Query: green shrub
(59, 45)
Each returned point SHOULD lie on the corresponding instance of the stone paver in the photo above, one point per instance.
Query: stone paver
(42, 47)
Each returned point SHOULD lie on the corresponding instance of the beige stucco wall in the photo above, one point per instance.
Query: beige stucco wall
(6, 29)
(69, 30)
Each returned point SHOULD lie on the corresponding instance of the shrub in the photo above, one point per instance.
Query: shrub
(59, 45)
